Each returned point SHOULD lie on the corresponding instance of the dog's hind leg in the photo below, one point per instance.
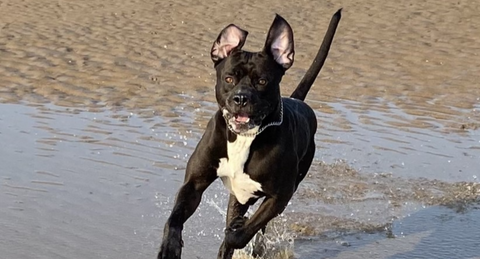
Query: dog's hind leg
(305, 163)
(235, 210)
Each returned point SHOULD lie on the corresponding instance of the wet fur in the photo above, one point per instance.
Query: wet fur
(271, 164)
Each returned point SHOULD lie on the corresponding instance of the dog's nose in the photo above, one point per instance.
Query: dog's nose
(240, 99)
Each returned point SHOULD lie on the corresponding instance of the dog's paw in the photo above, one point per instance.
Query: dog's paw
(237, 223)
(171, 248)
(235, 236)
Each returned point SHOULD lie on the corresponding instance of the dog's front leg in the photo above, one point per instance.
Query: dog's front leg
(187, 201)
(235, 210)
(241, 230)
(200, 173)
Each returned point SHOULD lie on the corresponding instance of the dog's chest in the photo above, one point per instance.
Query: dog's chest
(231, 170)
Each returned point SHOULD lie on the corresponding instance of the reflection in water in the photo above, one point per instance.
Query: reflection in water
(61, 166)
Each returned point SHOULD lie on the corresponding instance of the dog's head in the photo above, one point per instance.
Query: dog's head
(248, 83)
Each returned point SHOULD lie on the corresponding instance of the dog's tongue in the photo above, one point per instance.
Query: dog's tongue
(242, 118)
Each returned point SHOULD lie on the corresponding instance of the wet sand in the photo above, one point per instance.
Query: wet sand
(102, 102)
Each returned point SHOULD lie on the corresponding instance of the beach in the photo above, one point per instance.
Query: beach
(103, 102)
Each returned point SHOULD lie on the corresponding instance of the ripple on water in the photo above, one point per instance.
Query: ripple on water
(116, 95)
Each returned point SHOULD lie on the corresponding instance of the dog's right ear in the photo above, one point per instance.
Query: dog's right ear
(230, 38)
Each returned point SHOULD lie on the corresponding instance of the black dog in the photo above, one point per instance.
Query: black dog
(258, 143)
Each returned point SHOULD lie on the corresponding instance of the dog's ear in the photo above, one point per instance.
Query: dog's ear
(230, 38)
(279, 42)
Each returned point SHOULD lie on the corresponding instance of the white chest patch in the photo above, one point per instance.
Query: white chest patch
(231, 170)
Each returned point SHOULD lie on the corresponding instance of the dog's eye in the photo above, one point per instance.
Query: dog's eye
(229, 79)
(262, 81)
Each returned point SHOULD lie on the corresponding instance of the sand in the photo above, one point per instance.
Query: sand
(420, 56)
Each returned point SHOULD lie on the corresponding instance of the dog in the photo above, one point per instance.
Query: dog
(260, 144)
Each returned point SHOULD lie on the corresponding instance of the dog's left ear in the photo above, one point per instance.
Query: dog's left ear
(279, 42)
(230, 38)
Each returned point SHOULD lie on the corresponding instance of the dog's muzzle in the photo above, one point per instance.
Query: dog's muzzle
(240, 123)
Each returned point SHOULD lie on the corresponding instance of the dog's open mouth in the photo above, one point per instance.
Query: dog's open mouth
(238, 122)
(241, 118)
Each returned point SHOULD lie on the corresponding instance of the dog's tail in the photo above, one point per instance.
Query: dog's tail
(317, 64)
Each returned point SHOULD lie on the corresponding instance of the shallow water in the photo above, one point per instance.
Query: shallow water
(74, 179)
(435, 232)
(101, 105)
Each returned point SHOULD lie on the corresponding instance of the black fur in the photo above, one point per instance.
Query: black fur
(279, 157)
